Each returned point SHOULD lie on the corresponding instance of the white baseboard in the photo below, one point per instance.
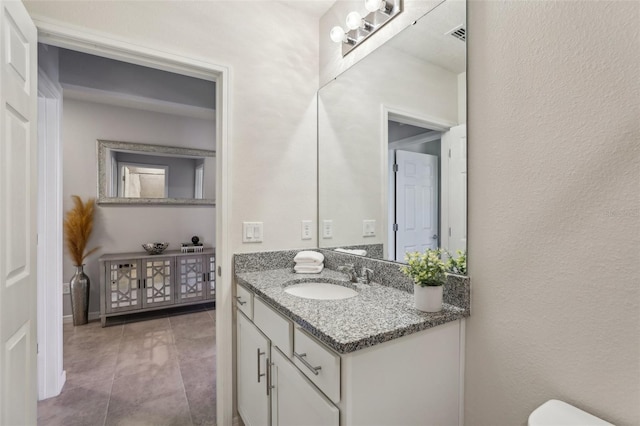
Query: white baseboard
(92, 316)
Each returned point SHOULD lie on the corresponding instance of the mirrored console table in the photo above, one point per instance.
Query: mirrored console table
(138, 282)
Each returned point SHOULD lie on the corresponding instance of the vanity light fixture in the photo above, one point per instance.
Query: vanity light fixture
(359, 28)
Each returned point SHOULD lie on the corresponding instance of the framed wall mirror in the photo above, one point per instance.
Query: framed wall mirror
(134, 173)
(392, 144)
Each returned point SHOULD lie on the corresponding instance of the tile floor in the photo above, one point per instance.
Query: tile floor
(160, 371)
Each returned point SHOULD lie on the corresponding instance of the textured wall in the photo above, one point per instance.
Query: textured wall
(124, 228)
(554, 209)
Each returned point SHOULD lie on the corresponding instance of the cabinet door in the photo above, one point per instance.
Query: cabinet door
(190, 278)
(252, 353)
(295, 400)
(210, 269)
(122, 290)
(158, 288)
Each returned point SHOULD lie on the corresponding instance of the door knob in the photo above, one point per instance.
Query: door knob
(435, 236)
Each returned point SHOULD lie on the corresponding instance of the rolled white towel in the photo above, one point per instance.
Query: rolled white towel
(308, 269)
(309, 257)
(352, 251)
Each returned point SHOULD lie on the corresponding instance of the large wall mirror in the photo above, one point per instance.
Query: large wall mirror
(134, 173)
(392, 144)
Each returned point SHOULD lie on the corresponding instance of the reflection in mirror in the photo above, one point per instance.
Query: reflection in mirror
(132, 173)
(392, 144)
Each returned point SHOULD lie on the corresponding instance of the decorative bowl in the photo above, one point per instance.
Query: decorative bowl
(155, 248)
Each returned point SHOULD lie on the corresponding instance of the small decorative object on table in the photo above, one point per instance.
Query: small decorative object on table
(155, 248)
(428, 273)
(194, 247)
(78, 225)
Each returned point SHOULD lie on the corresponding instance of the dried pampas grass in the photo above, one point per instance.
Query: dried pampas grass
(78, 225)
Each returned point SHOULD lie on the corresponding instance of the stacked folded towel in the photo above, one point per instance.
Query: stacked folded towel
(308, 262)
(352, 251)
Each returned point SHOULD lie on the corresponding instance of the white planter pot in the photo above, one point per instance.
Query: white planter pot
(428, 298)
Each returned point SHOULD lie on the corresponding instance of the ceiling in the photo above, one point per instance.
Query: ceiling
(315, 8)
(428, 39)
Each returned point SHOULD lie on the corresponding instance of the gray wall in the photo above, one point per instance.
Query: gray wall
(96, 72)
(123, 228)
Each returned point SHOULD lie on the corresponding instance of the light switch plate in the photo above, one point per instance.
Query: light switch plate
(252, 232)
(369, 228)
(306, 229)
(327, 229)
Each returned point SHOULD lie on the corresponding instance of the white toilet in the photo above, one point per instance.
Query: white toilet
(558, 413)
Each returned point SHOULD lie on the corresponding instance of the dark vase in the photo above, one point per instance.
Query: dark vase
(79, 289)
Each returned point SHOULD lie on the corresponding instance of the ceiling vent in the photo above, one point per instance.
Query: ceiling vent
(458, 32)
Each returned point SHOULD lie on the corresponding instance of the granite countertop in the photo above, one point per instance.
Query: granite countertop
(377, 314)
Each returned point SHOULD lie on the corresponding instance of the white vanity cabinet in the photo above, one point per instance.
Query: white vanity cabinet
(271, 390)
(253, 351)
(288, 377)
(295, 401)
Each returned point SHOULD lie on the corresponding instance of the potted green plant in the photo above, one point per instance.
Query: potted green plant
(427, 270)
(457, 264)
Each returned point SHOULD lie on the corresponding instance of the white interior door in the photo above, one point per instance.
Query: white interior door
(456, 208)
(416, 202)
(18, 215)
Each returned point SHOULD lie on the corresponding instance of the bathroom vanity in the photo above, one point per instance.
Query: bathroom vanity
(369, 359)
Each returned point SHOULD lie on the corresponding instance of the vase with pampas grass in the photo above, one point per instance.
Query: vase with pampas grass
(78, 225)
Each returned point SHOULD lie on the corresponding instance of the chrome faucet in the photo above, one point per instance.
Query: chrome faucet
(365, 277)
(350, 270)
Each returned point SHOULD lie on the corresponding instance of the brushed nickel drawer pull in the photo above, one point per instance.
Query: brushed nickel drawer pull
(313, 369)
(259, 355)
(240, 301)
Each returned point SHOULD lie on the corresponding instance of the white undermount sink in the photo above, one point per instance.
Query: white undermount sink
(320, 291)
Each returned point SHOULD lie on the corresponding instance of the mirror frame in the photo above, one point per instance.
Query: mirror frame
(104, 145)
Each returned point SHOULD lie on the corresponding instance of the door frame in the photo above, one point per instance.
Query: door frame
(51, 376)
(407, 117)
(80, 39)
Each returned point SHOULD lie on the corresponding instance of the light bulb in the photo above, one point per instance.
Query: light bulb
(373, 5)
(354, 20)
(337, 34)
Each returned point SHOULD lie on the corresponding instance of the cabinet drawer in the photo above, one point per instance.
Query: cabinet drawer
(318, 363)
(244, 301)
(277, 328)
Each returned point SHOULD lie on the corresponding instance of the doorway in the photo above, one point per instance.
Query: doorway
(63, 38)
(426, 165)
(414, 188)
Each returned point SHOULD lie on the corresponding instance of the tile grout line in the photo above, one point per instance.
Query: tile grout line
(113, 377)
(184, 389)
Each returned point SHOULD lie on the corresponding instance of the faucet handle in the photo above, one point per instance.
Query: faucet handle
(367, 274)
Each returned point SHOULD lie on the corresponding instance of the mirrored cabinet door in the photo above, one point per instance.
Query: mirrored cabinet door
(191, 278)
(123, 290)
(157, 282)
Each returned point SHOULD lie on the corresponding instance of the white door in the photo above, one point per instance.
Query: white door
(18, 215)
(456, 208)
(252, 353)
(295, 400)
(416, 202)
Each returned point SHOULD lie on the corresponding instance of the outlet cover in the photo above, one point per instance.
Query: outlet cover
(369, 228)
(65, 288)
(327, 229)
(306, 229)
